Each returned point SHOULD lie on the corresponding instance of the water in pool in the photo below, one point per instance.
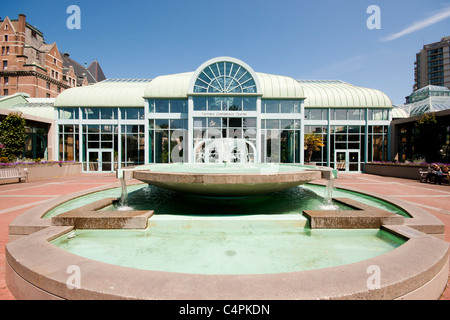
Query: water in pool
(253, 235)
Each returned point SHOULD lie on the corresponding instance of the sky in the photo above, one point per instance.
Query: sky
(321, 39)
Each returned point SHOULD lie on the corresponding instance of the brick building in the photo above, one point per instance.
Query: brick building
(31, 66)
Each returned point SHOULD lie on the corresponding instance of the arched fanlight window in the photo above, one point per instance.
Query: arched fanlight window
(225, 77)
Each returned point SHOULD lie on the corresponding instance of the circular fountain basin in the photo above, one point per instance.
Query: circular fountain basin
(226, 180)
(414, 264)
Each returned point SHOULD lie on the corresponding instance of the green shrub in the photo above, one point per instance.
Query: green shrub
(12, 136)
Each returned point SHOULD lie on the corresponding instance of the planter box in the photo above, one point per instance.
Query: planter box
(392, 170)
(49, 170)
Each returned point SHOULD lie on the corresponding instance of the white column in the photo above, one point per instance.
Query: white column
(146, 135)
(258, 131)
(302, 132)
(190, 140)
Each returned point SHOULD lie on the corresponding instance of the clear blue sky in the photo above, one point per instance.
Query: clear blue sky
(322, 39)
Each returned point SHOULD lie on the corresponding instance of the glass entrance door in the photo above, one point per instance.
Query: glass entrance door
(100, 160)
(224, 139)
(347, 160)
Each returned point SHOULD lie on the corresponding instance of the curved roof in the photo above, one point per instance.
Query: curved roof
(317, 93)
(335, 93)
(429, 91)
(274, 86)
(117, 93)
(431, 104)
(36, 107)
(177, 86)
(169, 86)
(399, 112)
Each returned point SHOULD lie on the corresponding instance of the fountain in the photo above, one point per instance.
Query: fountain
(124, 196)
(225, 179)
(226, 231)
(328, 195)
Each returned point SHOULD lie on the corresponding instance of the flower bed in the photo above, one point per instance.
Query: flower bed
(406, 170)
(46, 169)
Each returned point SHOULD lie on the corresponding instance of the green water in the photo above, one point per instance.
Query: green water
(291, 201)
(253, 235)
(228, 247)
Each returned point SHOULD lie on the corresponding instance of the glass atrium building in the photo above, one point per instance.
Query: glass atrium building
(222, 112)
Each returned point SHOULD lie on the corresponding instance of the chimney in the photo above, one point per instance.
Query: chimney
(22, 22)
(21, 34)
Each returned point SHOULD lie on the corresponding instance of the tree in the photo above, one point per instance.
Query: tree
(12, 136)
(313, 142)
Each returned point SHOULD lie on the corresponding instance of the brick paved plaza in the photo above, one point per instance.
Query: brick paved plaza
(17, 198)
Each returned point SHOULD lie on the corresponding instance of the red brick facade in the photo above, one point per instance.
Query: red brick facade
(29, 65)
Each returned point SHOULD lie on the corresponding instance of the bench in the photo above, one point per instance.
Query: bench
(424, 172)
(14, 173)
(340, 165)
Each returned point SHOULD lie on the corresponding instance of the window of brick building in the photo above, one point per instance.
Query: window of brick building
(6, 81)
(5, 64)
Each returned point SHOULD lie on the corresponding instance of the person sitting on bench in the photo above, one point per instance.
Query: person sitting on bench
(435, 172)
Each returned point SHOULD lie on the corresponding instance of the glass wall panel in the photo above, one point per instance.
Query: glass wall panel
(161, 106)
(68, 113)
(214, 104)
(280, 141)
(249, 104)
(339, 114)
(316, 114)
(272, 106)
(378, 143)
(161, 146)
(91, 113)
(287, 106)
(168, 138)
(249, 122)
(133, 145)
(68, 143)
(178, 106)
(200, 103)
(378, 114)
(355, 114)
(108, 113)
(318, 156)
(132, 113)
(225, 77)
(207, 130)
